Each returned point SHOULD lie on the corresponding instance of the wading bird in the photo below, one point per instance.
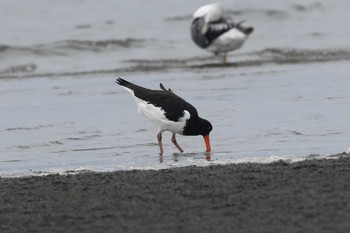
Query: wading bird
(168, 112)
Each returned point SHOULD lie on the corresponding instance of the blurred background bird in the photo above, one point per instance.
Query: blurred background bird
(211, 30)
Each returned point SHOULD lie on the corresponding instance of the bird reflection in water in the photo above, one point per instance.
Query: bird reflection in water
(176, 156)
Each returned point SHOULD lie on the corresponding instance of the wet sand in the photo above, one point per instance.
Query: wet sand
(308, 196)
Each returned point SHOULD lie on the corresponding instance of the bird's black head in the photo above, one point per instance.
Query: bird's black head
(198, 126)
(206, 127)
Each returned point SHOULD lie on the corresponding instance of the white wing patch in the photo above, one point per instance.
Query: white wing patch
(219, 27)
(157, 116)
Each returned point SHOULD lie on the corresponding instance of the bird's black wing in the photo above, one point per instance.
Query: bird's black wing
(217, 28)
(173, 105)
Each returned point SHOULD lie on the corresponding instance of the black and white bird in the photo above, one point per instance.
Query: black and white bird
(168, 112)
(210, 30)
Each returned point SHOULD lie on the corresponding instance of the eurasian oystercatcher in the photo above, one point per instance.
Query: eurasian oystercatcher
(210, 30)
(169, 112)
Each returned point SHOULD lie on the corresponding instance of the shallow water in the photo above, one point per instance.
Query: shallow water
(62, 112)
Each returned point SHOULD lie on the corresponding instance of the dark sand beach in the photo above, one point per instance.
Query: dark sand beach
(307, 196)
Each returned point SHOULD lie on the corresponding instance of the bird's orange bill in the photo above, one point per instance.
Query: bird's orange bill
(207, 142)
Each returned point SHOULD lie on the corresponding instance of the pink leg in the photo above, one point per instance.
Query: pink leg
(173, 140)
(159, 137)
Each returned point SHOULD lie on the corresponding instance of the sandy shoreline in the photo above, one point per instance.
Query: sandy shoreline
(308, 196)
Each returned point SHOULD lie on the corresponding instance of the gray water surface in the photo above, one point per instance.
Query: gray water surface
(284, 95)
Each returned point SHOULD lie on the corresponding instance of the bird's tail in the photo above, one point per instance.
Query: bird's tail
(245, 30)
(122, 82)
(130, 87)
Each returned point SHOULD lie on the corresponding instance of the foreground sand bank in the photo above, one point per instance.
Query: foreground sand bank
(308, 196)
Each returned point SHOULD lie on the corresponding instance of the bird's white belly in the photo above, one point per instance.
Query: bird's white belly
(157, 116)
(230, 40)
